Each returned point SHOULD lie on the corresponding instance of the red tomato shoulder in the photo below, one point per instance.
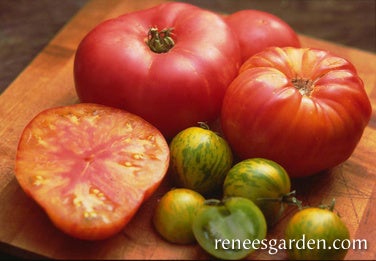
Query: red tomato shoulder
(257, 30)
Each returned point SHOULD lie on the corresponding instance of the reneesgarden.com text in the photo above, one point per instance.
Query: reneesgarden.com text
(275, 245)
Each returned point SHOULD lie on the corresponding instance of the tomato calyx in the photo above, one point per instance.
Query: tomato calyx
(330, 206)
(288, 199)
(304, 86)
(213, 202)
(203, 125)
(160, 41)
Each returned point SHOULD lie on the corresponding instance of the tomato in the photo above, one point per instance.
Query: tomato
(90, 167)
(304, 108)
(200, 159)
(257, 30)
(174, 214)
(264, 182)
(169, 64)
(317, 234)
(226, 229)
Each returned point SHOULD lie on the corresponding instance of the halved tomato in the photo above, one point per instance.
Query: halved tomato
(90, 166)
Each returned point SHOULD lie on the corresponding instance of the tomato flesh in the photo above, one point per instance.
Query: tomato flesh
(223, 227)
(90, 167)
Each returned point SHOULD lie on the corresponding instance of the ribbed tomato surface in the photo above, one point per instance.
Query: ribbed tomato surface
(304, 108)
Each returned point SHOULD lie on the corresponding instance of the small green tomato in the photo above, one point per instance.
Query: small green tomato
(174, 215)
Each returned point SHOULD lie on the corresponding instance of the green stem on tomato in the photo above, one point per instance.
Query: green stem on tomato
(160, 41)
(288, 198)
(330, 206)
(203, 125)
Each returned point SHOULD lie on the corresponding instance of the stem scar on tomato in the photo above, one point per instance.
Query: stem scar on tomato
(160, 41)
(304, 86)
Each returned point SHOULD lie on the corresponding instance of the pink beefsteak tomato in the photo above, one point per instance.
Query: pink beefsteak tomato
(304, 108)
(257, 30)
(169, 64)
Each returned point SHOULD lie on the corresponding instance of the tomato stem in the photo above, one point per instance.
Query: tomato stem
(203, 125)
(213, 202)
(330, 206)
(304, 86)
(160, 41)
(288, 198)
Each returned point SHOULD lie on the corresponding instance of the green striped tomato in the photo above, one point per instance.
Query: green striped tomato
(317, 234)
(200, 160)
(174, 214)
(263, 181)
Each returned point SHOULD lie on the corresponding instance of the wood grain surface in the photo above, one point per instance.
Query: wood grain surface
(48, 82)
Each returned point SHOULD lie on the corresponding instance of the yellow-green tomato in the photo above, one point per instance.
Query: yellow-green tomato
(174, 215)
(200, 160)
(317, 234)
(263, 181)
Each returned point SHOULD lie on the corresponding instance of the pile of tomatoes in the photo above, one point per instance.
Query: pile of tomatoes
(226, 207)
(145, 80)
(301, 107)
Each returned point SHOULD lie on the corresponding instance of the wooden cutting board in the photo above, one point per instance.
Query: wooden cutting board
(48, 82)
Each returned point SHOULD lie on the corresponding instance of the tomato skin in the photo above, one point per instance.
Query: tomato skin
(256, 30)
(200, 160)
(172, 90)
(316, 224)
(174, 215)
(234, 218)
(259, 180)
(90, 167)
(307, 129)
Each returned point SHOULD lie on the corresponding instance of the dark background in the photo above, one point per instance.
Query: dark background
(26, 26)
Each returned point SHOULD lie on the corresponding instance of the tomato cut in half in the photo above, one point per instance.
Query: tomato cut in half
(90, 166)
(226, 229)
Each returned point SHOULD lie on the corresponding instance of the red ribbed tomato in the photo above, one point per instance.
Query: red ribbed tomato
(90, 167)
(170, 64)
(304, 108)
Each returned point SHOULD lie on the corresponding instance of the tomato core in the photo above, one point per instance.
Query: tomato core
(160, 41)
(304, 86)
